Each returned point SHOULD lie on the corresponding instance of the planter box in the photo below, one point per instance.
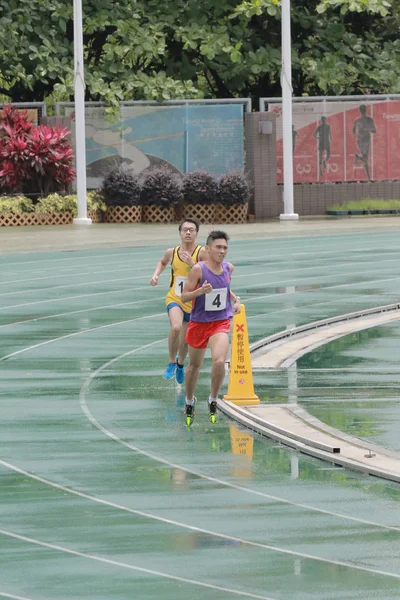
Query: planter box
(64, 218)
(157, 214)
(97, 216)
(204, 213)
(345, 213)
(337, 213)
(123, 214)
(11, 220)
(233, 214)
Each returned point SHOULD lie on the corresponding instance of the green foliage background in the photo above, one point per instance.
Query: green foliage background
(165, 49)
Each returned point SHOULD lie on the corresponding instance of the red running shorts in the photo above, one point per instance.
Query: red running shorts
(198, 334)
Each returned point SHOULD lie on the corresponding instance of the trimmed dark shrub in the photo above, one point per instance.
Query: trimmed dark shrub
(233, 188)
(199, 187)
(121, 188)
(160, 187)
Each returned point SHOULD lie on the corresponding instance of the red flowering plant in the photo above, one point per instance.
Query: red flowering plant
(38, 157)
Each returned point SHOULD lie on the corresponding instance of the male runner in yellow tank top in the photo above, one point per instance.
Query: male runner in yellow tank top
(182, 259)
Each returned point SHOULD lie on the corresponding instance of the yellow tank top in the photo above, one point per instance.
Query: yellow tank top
(179, 274)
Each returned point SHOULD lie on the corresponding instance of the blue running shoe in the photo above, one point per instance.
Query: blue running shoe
(180, 374)
(170, 371)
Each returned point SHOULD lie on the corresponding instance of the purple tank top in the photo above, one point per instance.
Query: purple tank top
(215, 306)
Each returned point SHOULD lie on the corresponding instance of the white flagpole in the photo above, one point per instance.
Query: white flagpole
(286, 83)
(80, 142)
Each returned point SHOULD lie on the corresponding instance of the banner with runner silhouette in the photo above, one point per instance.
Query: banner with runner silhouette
(342, 141)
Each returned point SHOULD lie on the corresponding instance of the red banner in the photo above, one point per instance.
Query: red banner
(342, 141)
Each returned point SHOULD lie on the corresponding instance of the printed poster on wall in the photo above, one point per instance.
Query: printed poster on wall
(184, 138)
(342, 141)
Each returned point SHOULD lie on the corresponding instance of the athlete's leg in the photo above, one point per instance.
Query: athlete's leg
(183, 347)
(219, 345)
(175, 314)
(182, 351)
(196, 357)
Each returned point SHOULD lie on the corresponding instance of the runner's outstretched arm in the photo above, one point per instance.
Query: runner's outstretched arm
(161, 265)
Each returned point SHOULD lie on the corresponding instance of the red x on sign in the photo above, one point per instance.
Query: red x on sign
(240, 328)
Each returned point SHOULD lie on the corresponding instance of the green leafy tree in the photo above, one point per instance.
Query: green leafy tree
(165, 49)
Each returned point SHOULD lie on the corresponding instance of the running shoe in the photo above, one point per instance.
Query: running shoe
(170, 371)
(180, 374)
(212, 407)
(189, 413)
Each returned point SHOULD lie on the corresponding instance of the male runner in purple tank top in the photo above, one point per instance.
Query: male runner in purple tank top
(208, 286)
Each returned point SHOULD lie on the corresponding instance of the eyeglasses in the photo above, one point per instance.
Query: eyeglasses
(188, 229)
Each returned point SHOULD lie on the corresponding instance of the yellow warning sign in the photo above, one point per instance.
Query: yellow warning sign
(240, 386)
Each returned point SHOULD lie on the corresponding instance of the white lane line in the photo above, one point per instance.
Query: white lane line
(114, 437)
(12, 596)
(12, 306)
(140, 318)
(138, 450)
(215, 480)
(236, 252)
(69, 335)
(118, 563)
(233, 251)
(109, 434)
(83, 310)
(268, 283)
(298, 242)
(350, 388)
(68, 285)
(124, 253)
(63, 271)
(295, 309)
(350, 266)
(370, 369)
(347, 237)
(323, 289)
(193, 581)
(131, 267)
(182, 525)
(149, 316)
(106, 306)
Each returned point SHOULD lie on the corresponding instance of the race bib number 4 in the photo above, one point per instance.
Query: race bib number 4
(179, 285)
(216, 299)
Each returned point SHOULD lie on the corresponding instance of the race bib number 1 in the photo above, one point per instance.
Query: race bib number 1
(216, 299)
(179, 285)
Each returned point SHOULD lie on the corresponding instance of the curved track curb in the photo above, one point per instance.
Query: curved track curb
(291, 425)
